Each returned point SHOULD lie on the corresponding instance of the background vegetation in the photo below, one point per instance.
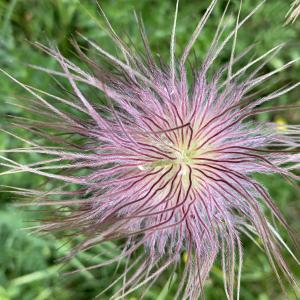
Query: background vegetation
(29, 264)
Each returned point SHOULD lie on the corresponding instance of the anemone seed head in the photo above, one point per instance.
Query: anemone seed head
(168, 163)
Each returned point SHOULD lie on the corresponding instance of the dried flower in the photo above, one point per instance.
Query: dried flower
(165, 164)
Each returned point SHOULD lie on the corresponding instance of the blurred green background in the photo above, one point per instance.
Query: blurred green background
(29, 264)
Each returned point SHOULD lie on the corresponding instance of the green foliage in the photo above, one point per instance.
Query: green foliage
(29, 266)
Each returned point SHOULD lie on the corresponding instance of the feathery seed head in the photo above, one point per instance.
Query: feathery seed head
(168, 164)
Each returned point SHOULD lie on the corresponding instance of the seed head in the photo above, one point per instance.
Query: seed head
(167, 163)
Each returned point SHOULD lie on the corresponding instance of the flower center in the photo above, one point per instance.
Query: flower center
(182, 155)
(185, 156)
